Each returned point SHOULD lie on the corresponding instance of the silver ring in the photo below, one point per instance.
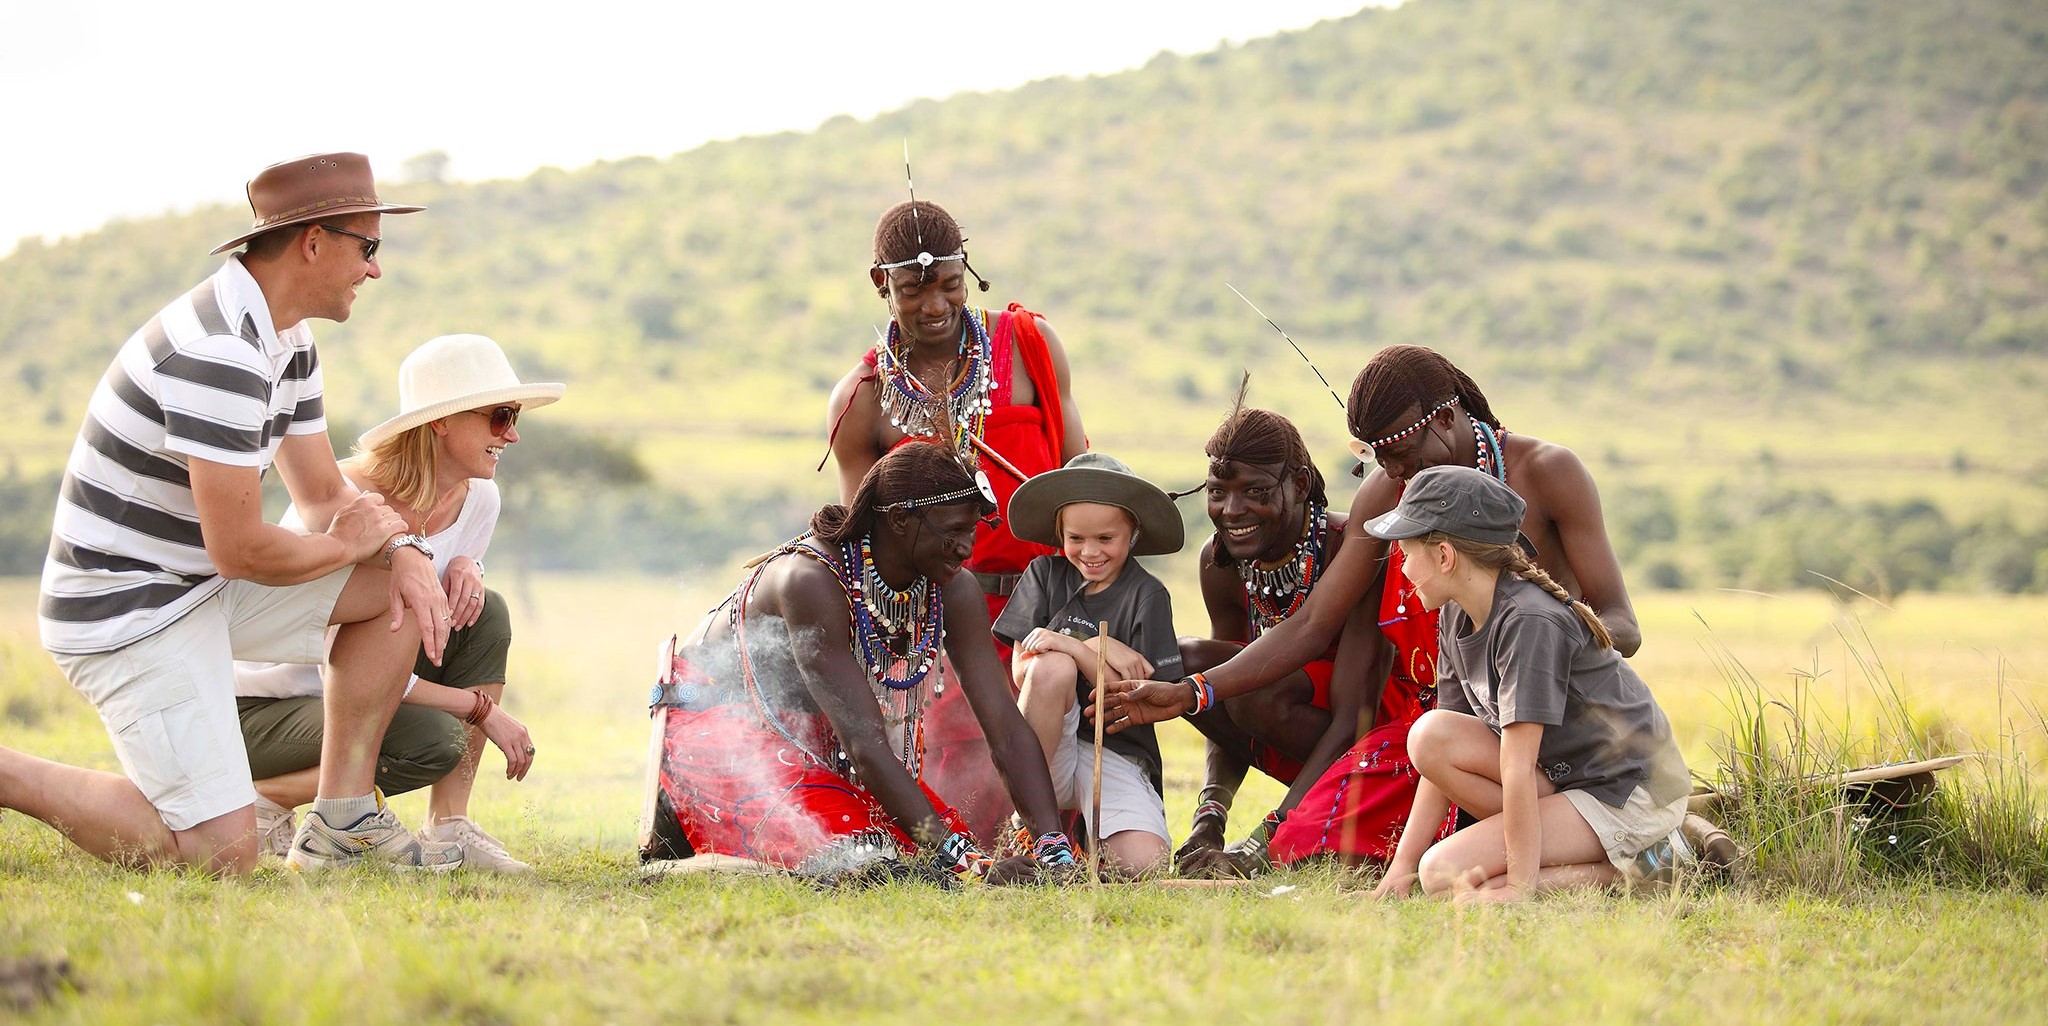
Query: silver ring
(445, 618)
(529, 749)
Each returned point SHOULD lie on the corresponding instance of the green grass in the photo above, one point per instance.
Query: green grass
(585, 942)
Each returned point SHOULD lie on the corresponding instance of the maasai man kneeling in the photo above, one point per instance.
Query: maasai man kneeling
(981, 381)
(794, 725)
(1275, 536)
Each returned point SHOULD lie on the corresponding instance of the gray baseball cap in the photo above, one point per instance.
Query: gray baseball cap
(1458, 501)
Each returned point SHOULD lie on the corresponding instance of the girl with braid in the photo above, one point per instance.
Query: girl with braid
(1541, 732)
(1409, 409)
(980, 381)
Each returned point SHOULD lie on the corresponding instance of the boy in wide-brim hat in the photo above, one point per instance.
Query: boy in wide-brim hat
(1100, 515)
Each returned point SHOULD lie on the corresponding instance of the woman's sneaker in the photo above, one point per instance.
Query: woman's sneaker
(479, 850)
(274, 828)
(376, 837)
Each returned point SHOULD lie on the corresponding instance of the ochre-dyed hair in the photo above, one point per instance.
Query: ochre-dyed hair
(897, 233)
(912, 470)
(1511, 559)
(403, 466)
(1260, 438)
(1401, 383)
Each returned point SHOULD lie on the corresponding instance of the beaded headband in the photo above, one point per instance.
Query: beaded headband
(981, 489)
(922, 260)
(1417, 426)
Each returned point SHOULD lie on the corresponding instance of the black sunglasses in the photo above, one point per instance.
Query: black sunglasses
(369, 244)
(502, 418)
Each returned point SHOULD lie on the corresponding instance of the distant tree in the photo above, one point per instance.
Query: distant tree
(431, 166)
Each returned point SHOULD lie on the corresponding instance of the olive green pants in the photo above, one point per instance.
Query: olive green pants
(421, 745)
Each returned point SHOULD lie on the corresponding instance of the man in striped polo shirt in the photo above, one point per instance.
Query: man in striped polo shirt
(162, 570)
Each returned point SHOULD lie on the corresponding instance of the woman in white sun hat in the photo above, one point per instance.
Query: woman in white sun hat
(435, 464)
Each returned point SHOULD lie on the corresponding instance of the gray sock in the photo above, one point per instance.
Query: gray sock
(340, 812)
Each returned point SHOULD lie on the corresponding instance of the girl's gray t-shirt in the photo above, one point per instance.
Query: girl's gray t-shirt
(1535, 662)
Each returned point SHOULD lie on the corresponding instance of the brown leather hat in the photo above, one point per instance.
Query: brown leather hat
(311, 187)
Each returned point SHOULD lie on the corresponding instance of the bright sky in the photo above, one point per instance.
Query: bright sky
(133, 108)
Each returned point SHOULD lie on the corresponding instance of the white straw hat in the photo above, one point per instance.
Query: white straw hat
(453, 373)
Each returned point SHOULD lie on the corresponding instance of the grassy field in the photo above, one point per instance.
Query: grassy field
(584, 941)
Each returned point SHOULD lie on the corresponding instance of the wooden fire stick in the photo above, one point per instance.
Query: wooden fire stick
(1095, 820)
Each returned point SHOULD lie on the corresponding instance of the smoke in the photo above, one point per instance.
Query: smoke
(753, 771)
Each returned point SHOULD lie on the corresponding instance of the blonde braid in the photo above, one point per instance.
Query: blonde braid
(1518, 564)
(1512, 559)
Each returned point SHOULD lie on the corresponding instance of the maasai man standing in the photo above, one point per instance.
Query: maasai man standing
(950, 373)
(795, 733)
(1409, 409)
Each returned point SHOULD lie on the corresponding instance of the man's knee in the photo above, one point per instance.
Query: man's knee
(224, 845)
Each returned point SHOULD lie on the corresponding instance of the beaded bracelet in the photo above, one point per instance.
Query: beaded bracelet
(1205, 695)
(958, 855)
(1212, 807)
(1053, 850)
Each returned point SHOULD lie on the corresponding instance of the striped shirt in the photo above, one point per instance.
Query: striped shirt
(210, 378)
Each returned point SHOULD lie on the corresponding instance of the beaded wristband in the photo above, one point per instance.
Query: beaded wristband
(1205, 695)
(1053, 850)
(1212, 807)
(958, 855)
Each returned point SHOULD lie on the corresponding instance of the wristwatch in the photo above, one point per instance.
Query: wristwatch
(400, 540)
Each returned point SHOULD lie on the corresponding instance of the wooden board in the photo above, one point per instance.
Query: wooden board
(700, 865)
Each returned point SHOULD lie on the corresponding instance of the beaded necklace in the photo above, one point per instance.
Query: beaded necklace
(896, 682)
(909, 403)
(1493, 460)
(1271, 596)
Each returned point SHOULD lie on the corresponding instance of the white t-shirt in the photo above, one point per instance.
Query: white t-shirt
(469, 535)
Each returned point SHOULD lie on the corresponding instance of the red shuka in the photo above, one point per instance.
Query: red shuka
(1357, 808)
(739, 788)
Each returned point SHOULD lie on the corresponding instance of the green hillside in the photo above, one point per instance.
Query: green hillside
(1776, 269)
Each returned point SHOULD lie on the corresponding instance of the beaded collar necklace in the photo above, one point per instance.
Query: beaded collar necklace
(897, 682)
(1271, 596)
(909, 403)
(1493, 460)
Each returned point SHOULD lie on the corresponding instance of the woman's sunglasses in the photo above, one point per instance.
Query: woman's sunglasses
(502, 418)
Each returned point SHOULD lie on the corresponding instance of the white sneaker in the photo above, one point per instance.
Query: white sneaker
(479, 850)
(275, 827)
(378, 837)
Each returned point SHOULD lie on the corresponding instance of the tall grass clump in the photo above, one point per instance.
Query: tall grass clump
(1780, 795)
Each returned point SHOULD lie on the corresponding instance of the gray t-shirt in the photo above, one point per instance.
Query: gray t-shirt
(1535, 662)
(1140, 614)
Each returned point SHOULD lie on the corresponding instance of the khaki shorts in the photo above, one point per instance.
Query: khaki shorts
(1128, 801)
(1626, 831)
(168, 701)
